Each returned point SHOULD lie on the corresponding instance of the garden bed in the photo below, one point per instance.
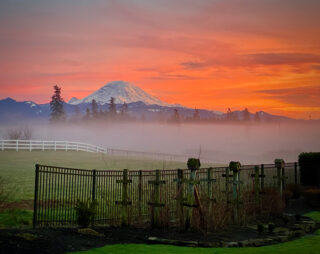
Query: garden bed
(61, 240)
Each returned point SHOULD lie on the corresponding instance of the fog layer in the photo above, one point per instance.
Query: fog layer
(216, 143)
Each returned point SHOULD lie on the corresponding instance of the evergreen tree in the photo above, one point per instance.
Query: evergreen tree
(257, 117)
(124, 110)
(87, 115)
(246, 115)
(94, 109)
(56, 106)
(229, 115)
(196, 116)
(176, 117)
(112, 108)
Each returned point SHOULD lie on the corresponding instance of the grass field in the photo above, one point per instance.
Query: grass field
(309, 244)
(17, 168)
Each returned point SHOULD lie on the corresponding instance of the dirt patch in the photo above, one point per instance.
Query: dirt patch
(23, 205)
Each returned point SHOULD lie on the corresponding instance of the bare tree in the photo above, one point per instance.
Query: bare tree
(22, 133)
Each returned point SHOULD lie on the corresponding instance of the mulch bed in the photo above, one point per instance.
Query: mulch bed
(62, 240)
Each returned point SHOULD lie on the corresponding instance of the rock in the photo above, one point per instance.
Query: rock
(27, 236)
(89, 231)
(243, 243)
(232, 244)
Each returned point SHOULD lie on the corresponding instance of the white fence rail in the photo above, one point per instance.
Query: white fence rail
(31, 145)
(49, 145)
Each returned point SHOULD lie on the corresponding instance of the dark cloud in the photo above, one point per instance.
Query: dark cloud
(304, 96)
(195, 65)
(281, 58)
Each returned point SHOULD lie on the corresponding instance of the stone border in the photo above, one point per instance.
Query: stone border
(304, 226)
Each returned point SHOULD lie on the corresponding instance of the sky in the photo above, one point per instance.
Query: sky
(214, 54)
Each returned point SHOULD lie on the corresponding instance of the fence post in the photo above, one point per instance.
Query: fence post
(140, 194)
(66, 144)
(17, 145)
(30, 146)
(93, 198)
(94, 172)
(35, 202)
(2, 145)
(235, 167)
(55, 145)
(124, 202)
(256, 183)
(262, 177)
(193, 166)
(42, 145)
(295, 173)
(227, 176)
(180, 196)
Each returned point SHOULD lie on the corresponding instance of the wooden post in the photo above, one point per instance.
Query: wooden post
(227, 185)
(155, 204)
(209, 181)
(179, 196)
(17, 145)
(256, 183)
(125, 202)
(235, 167)
(279, 164)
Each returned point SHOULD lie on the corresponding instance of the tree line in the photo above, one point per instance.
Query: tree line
(95, 113)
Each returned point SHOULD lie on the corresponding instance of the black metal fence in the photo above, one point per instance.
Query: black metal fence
(57, 190)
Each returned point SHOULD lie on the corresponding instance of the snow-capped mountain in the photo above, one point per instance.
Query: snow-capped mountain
(122, 92)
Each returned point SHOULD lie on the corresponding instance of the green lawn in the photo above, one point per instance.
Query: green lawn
(309, 244)
(17, 168)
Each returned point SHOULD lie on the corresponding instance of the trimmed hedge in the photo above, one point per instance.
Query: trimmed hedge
(310, 169)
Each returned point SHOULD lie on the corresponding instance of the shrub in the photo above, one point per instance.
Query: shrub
(261, 228)
(310, 169)
(85, 211)
(296, 190)
(271, 227)
(272, 202)
(193, 164)
(312, 197)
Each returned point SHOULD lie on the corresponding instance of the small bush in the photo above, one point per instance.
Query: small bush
(271, 227)
(193, 164)
(296, 190)
(261, 228)
(312, 197)
(85, 211)
(285, 220)
(310, 169)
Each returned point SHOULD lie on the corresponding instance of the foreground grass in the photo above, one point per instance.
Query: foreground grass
(17, 168)
(305, 245)
(15, 218)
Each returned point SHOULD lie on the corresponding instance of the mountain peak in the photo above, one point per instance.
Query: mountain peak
(122, 92)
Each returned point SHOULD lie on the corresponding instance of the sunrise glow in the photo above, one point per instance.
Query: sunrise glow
(263, 55)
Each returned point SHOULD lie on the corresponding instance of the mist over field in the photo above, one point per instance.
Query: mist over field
(221, 143)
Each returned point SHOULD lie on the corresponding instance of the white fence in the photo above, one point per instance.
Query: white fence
(32, 145)
(49, 145)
